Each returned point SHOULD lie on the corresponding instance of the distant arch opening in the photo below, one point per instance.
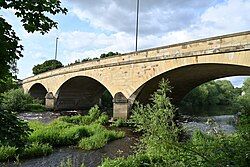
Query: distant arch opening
(184, 79)
(224, 96)
(38, 91)
(82, 93)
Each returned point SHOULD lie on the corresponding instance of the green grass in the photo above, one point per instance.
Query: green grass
(86, 132)
(99, 137)
(7, 153)
(30, 151)
(36, 150)
(57, 133)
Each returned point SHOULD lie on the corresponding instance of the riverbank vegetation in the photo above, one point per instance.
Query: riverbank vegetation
(220, 93)
(15, 100)
(164, 142)
(85, 132)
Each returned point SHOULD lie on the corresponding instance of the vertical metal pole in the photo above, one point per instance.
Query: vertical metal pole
(137, 27)
(56, 47)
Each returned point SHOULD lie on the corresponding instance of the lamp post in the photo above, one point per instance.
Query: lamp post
(137, 25)
(56, 47)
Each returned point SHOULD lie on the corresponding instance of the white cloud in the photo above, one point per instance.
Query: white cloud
(162, 22)
(156, 16)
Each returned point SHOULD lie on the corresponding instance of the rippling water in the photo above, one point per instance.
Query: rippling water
(212, 124)
(118, 148)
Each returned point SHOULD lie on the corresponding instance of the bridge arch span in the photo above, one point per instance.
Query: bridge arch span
(79, 93)
(185, 78)
(38, 91)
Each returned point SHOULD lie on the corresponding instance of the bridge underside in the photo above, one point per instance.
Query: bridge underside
(39, 92)
(79, 93)
(184, 79)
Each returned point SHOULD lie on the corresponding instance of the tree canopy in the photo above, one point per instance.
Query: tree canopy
(34, 17)
(219, 92)
(46, 66)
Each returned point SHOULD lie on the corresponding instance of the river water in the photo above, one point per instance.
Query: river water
(121, 147)
(118, 148)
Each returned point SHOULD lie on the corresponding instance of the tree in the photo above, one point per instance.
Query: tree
(246, 86)
(14, 131)
(109, 54)
(34, 17)
(46, 66)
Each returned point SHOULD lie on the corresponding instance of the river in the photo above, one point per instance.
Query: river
(213, 123)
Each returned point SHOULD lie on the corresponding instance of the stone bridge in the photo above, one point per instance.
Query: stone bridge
(134, 76)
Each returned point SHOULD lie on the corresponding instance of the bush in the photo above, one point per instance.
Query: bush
(94, 116)
(36, 150)
(7, 153)
(159, 145)
(99, 137)
(46, 66)
(57, 133)
(16, 100)
(119, 123)
(14, 131)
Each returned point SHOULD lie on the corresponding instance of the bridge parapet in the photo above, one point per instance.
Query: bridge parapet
(213, 45)
(136, 75)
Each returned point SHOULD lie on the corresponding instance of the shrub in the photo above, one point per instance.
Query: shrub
(17, 101)
(57, 133)
(119, 123)
(14, 131)
(159, 145)
(46, 66)
(99, 137)
(36, 150)
(94, 116)
(103, 119)
(7, 153)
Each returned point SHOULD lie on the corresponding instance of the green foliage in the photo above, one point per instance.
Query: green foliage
(16, 100)
(219, 92)
(68, 163)
(85, 131)
(159, 145)
(34, 17)
(109, 54)
(14, 131)
(99, 137)
(10, 50)
(119, 123)
(57, 133)
(7, 152)
(95, 58)
(107, 100)
(36, 150)
(46, 66)
(7, 84)
(94, 115)
(30, 151)
(156, 121)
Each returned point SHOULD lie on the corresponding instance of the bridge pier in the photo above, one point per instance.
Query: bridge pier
(120, 106)
(50, 101)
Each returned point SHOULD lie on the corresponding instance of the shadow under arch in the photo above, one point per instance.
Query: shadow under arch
(38, 91)
(184, 79)
(79, 93)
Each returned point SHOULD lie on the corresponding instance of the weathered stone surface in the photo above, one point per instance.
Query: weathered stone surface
(136, 75)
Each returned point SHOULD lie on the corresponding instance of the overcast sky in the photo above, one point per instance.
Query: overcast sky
(93, 27)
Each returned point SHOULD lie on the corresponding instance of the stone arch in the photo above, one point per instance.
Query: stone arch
(185, 78)
(79, 93)
(38, 91)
